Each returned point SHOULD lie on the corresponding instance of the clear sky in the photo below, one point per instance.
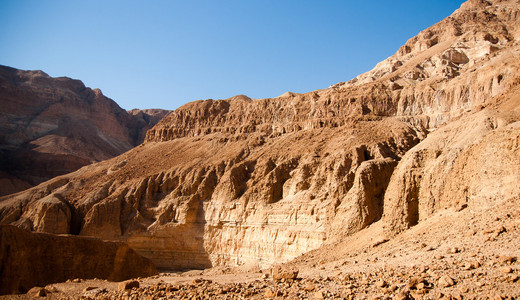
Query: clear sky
(164, 53)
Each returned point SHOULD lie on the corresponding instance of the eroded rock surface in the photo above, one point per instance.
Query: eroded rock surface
(52, 126)
(37, 259)
(256, 182)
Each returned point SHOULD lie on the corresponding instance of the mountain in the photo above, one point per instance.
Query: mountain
(53, 126)
(431, 134)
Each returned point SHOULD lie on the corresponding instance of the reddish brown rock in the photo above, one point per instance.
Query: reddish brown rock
(52, 126)
(37, 259)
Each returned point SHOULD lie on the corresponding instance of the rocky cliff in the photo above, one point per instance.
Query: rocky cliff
(52, 126)
(36, 259)
(253, 182)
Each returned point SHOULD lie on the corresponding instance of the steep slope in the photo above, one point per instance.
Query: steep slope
(256, 182)
(52, 126)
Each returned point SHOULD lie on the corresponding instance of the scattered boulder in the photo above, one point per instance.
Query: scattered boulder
(446, 281)
(279, 273)
(37, 292)
(128, 285)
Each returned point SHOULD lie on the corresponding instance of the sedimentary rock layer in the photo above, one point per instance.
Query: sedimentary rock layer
(37, 259)
(254, 182)
(52, 126)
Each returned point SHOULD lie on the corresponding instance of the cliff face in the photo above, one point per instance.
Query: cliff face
(245, 181)
(52, 126)
(36, 259)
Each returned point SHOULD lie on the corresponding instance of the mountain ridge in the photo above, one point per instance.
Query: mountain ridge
(52, 126)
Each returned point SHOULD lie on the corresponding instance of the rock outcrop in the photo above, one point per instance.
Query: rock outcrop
(256, 182)
(52, 126)
(472, 161)
(37, 259)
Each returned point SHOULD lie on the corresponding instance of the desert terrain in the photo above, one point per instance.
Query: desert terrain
(399, 184)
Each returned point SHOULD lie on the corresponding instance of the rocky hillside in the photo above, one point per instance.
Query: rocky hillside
(257, 182)
(53, 126)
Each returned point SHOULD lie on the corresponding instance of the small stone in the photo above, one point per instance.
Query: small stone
(128, 285)
(381, 283)
(309, 287)
(278, 273)
(77, 280)
(506, 270)
(420, 286)
(507, 259)
(414, 281)
(269, 293)
(454, 250)
(319, 295)
(89, 288)
(403, 295)
(51, 289)
(456, 296)
(446, 281)
(196, 281)
(471, 265)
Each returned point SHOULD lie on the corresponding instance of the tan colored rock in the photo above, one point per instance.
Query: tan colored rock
(269, 293)
(279, 273)
(445, 281)
(309, 287)
(505, 259)
(37, 292)
(128, 285)
(319, 295)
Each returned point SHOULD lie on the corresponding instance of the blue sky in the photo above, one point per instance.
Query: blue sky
(162, 54)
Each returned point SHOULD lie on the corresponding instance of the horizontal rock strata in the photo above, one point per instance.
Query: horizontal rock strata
(37, 259)
(255, 182)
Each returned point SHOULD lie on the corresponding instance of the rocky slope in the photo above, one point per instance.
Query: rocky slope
(52, 126)
(256, 182)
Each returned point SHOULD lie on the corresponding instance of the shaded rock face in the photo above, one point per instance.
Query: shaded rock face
(471, 162)
(52, 126)
(257, 182)
(36, 259)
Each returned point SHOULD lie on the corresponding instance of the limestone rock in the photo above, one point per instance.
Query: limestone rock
(243, 182)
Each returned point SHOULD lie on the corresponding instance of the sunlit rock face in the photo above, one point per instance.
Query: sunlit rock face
(259, 181)
(53, 126)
